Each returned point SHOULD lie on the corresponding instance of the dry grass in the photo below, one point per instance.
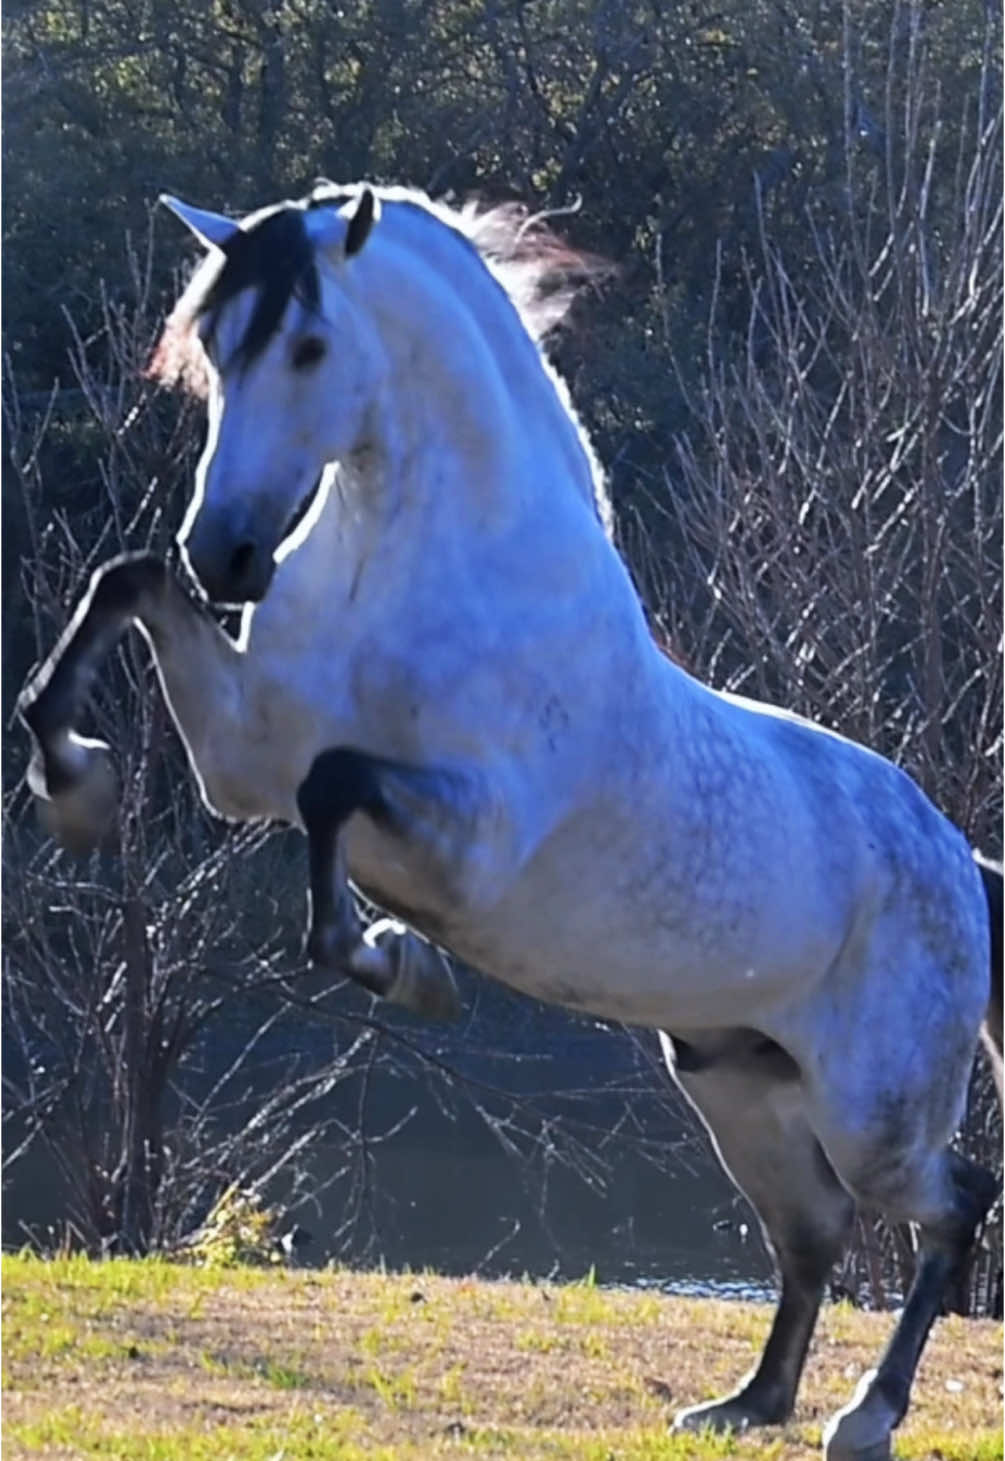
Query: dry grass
(128, 1360)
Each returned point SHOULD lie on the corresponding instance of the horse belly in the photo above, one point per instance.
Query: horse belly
(657, 979)
(645, 942)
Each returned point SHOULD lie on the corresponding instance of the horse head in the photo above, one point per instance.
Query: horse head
(290, 366)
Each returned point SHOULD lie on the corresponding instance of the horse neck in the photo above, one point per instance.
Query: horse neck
(472, 421)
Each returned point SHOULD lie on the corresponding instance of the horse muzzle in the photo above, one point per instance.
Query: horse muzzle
(230, 571)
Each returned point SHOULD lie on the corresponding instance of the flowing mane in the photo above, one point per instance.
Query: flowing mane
(538, 271)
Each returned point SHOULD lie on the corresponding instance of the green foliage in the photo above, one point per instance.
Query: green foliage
(657, 119)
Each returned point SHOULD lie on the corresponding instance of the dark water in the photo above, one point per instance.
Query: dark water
(482, 1212)
(685, 1231)
(443, 1191)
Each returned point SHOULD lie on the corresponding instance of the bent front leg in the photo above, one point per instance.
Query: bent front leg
(70, 774)
(387, 959)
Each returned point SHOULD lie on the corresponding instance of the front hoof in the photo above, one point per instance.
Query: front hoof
(419, 976)
(80, 807)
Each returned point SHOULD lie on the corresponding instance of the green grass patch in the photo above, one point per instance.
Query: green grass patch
(303, 1437)
(163, 1362)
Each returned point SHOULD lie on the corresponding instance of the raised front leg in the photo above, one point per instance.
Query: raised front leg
(388, 959)
(69, 774)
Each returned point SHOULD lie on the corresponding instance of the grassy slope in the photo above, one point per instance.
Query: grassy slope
(149, 1360)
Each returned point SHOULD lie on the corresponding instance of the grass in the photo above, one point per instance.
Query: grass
(124, 1360)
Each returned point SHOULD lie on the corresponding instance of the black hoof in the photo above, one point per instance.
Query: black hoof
(415, 974)
(327, 948)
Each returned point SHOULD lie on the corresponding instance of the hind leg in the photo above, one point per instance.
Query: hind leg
(748, 1094)
(949, 1196)
(885, 1091)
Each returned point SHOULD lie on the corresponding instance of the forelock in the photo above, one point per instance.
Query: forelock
(274, 257)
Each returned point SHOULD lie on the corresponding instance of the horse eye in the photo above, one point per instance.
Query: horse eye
(307, 352)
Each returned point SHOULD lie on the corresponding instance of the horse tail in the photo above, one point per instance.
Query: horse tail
(994, 891)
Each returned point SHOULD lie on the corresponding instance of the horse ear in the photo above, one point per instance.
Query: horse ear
(360, 223)
(211, 229)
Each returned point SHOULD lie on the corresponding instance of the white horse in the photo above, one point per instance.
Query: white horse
(445, 677)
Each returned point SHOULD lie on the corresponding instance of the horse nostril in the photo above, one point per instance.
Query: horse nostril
(241, 562)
